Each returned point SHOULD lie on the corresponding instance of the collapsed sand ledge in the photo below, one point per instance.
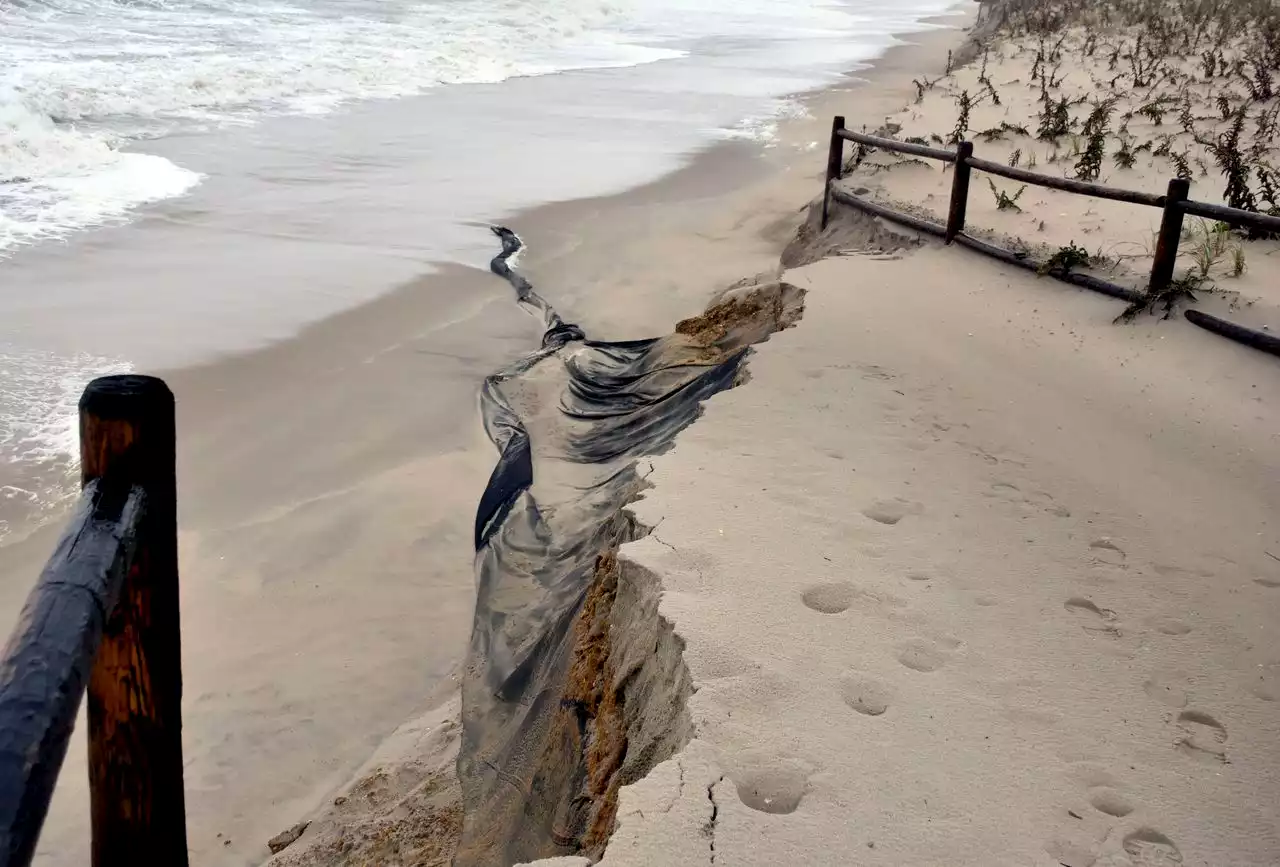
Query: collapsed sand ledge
(574, 686)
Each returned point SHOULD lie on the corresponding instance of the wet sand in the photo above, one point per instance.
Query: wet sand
(328, 483)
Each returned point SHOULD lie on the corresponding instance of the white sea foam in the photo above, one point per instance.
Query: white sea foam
(54, 178)
(83, 80)
(763, 126)
(39, 439)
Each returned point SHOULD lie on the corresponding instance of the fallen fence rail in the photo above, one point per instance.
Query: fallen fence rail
(1174, 205)
(103, 619)
(1259, 340)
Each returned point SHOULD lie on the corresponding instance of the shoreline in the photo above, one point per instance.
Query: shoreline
(354, 504)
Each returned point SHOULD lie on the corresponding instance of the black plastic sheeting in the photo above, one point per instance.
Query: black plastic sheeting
(551, 508)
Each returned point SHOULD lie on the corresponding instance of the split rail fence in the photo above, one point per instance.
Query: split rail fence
(1175, 204)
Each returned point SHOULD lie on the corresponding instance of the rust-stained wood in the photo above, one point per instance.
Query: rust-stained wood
(135, 690)
(46, 663)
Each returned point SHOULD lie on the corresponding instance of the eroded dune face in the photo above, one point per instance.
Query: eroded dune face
(574, 685)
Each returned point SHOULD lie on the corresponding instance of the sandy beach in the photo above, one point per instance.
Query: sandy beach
(969, 573)
(961, 572)
(301, 683)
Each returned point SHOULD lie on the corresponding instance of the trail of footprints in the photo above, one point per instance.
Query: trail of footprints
(1199, 736)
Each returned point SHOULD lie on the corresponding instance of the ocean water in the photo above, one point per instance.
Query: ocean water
(196, 177)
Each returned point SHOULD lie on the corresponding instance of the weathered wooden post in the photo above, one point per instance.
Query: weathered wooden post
(135, 689)
(959, 191)
(835, 156)
(1170, 234)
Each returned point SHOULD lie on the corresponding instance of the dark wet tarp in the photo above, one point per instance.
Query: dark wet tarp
(553, 507)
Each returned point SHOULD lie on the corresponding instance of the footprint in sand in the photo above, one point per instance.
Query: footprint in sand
(1092, 618)
(1034, 500)
(1107, 551)
(1203, 738)
(830, 598)
(1269, 583)
(776, 787)
(1168, 625)
(923, 656)
(867, 696)
(1149, 848)
(1109, 801)
(891, 511)
(876, 372)
(1049, 504)
(1166, 688)
(1069, 853)
(1263, 681)
(835, 597)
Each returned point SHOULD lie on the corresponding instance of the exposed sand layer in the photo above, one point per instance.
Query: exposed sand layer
(573, 686)
(403, 807)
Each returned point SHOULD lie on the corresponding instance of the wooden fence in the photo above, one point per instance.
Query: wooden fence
(1174, 205)
(103, 617)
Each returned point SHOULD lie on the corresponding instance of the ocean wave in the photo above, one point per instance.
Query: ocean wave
(84, 79)
(55, 177)
(82, 82)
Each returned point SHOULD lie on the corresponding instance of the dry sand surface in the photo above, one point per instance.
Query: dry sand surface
(971, 575)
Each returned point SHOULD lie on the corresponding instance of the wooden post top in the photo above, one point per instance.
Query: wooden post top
(125, 396)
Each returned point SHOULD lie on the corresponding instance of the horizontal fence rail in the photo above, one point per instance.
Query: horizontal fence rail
(103, 620)
(904, 147)
(1234, 216)
(47, 660)
(1068, 185)
(1174, 205)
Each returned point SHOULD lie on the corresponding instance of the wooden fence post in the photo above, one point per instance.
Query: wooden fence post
(1170, 233)
(135, 689)
(959, 192)
(835, 156)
